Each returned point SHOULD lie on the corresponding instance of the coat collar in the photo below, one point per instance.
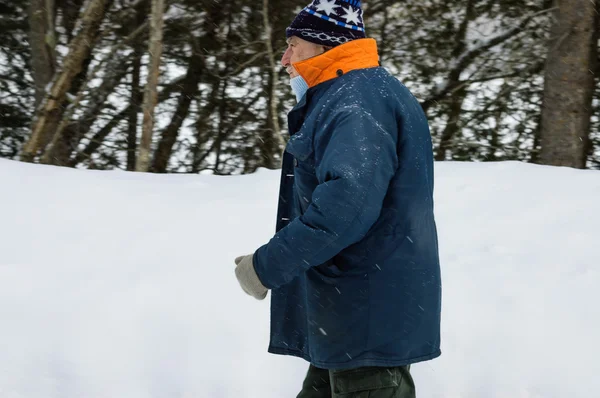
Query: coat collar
(356, 54)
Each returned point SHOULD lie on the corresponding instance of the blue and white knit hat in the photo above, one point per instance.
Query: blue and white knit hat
(329, 22)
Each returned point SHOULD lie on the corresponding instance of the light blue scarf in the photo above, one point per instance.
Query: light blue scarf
(299, 87)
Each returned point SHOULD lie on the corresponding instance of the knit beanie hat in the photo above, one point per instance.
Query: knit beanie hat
(329, 22)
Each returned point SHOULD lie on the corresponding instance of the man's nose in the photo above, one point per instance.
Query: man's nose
(287, 55)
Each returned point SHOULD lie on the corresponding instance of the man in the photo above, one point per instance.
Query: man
(353, 267)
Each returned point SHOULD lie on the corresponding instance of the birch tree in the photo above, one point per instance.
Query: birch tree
(151, 92)
(42, 39)
(51, 108)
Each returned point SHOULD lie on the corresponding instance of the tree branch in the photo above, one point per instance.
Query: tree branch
(453, 82)
(97, 139)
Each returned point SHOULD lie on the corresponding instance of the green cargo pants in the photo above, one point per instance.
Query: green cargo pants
(368, 382)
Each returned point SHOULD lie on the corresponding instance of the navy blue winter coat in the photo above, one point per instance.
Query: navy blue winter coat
(354, 266)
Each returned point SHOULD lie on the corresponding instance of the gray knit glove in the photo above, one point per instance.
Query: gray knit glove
(248, 278)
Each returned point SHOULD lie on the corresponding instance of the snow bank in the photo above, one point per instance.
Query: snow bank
(117, 284)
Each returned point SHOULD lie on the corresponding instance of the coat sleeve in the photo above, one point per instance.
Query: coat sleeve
(354, 171)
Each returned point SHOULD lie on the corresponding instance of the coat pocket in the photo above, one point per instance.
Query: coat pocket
(301, 145)
(369, 254)
(329, 270)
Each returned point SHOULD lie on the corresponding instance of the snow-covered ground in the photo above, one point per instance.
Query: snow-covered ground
(117, 284)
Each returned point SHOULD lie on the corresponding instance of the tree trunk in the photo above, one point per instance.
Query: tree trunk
(79, 50)
(134, 110)
(42, 50)
(272, 139)
(222, 99)
(189, 89)
(498, 114)
(569, 84)
(221, 134)
(136, 98)
(535, 152)
(70, 12)
(452, 127)
(199, 153)
(383, 43)
(215, 17)
(150, 95)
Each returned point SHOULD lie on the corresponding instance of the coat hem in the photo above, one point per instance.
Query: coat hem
(359, 363)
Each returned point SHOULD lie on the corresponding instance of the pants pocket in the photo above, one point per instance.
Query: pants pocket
(373, 382)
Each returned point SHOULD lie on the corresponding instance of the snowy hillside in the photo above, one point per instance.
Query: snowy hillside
(116, 284)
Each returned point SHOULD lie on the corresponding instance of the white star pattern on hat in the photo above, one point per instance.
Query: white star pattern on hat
(313, 23)
(327, 6)
(352, 15)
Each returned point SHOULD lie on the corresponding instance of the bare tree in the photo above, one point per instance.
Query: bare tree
(69, 133)
(151, 93)
(42, 39)
(456, 102)
(50, 109)
(272, 139)
(189, 89)
(98, 139)
(569, 84)
(136, 95)
(453, 81)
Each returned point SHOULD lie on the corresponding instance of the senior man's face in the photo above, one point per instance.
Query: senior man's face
(299, 50)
